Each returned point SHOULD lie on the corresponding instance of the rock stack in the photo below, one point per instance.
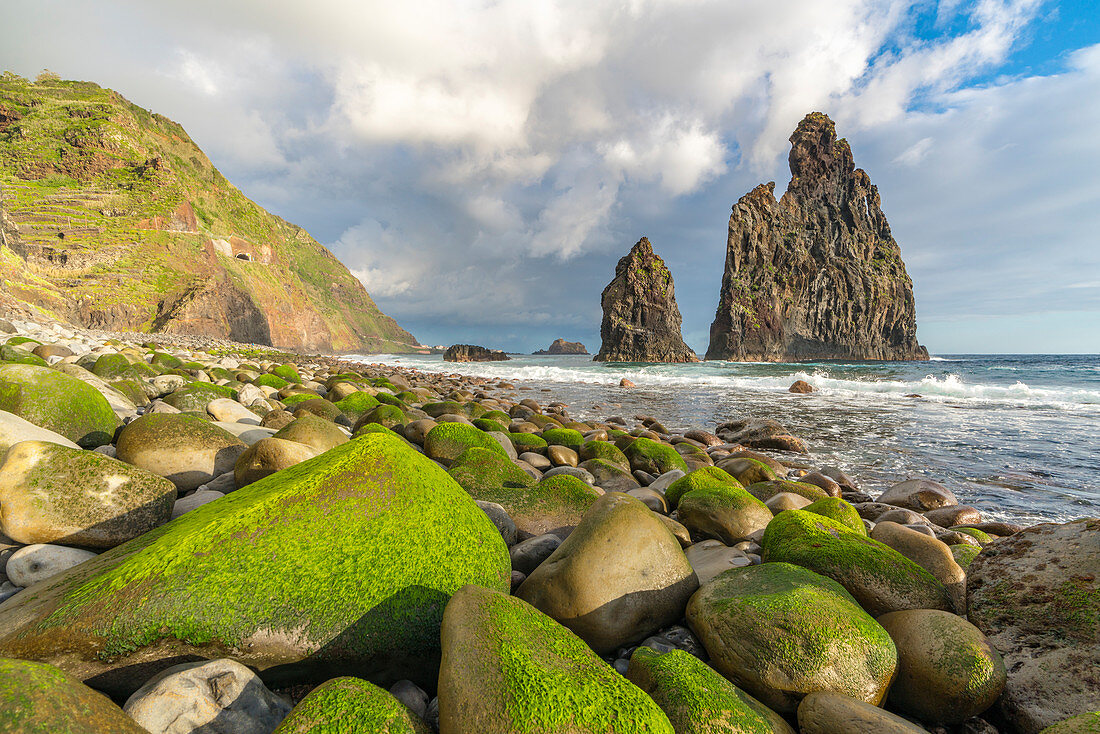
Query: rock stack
(817, 274)
(473, 353)
(560, 346)
(641, 321)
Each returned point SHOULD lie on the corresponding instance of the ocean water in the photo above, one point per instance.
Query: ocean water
(1014, 435)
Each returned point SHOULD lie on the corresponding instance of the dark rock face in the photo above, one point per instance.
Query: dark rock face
(212, 309)
(473, 353)
(817, 274)
(641, 322)
(560, 346)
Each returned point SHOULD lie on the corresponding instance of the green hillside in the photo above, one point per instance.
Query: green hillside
(113, 218)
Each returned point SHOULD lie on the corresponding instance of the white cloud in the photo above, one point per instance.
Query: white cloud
(915, 153)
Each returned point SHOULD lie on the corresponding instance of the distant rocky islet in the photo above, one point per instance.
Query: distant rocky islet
(179, 498)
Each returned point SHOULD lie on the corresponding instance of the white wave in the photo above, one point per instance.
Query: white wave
(946, 389)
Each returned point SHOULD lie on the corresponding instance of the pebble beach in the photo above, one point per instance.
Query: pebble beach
(199, 535)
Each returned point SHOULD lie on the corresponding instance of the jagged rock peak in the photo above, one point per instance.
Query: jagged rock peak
(641, 322)
(817, 274)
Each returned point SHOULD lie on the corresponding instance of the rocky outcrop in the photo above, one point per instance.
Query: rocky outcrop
(473, 353)
(817, 274)
(641, 322)
(127, 226)
(560, 346)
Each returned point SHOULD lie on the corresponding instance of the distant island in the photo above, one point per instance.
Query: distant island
(560, 346)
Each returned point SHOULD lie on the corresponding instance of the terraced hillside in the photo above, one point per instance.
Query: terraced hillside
(111, 217)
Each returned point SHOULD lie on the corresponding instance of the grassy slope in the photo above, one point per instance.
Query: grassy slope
(118, 181)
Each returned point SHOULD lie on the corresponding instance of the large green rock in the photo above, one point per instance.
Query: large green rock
(56, 494)
(780, 631)
(17, 355)
(726, 512)
(313, 431)
(478, 469)
(553, 505)
(707, 476)
(879, 577)
(605, 450)
(356, 405)
(653, 457)
(118, 367)
(447, 441)
(40, 699)
(351, 706)
(58, 402)
(696, 699)
(194, 396)
(837, 509)
(339, 565)
(509, 669)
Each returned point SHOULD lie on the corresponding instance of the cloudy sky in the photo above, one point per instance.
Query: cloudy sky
(481, 166)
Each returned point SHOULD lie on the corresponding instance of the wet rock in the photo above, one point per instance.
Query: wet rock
(32, 564)
(826, 712)
(919, 495)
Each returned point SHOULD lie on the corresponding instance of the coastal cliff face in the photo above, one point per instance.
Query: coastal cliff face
(817, 274)
(112, 218)
(641, 322)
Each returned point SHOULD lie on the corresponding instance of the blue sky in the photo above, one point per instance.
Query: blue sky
(481, 166)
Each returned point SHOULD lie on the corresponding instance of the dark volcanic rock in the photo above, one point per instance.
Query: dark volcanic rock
(560, 346)
(473, 353)
(641, 322)
(817, 274)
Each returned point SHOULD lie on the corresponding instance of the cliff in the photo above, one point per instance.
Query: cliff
(641, 321)
(113, 218)
(817, 274)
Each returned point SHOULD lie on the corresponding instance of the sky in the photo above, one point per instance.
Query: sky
(481, 166)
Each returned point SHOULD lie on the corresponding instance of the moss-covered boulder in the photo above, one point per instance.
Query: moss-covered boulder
(707, 476)
(524, 442)
(837, 509)
(269, 380)
(605, 450)
(317, 406)
(339, 565)
(554, 505)
(183, 449)
(267, 456)
(509, 669)
(18, 355)
(66, 496)
(167, 361)
(286, 372)
(947, 670)
(882, 579)
(490, 426)
(764, 491)
(781, 631)
(964, 555)
(41, 699)
(118, 367)
(566, 437)
(134, 390)
(447, 441)
(477, 469)
(452, 407)
(654, 457)
(356, 405)
(351, 706)
(696, 699)
(195, 396)
(60, 403)
(723, 511)
(619, 576)
(747, 470)
(383, 414)
(313, 431)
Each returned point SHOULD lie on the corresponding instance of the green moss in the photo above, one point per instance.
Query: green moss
(318, 407)
(351, 706)
(54, 400)
(604, 450)
(287, 372)
(196, 395)
(133, 390)
(882, 579)
(766, 490)
(276, 559)
(452, 407)
(119, 367)
(481, 468)
(563, 437)
(386, 415)
(723, 511)
(1081, 724)
(268, 380)
(964, 555)
(312, 430)
(490, 425)
(524, 442)
(15, 355)
(979, 535)
(388, 399)
(167, 360)
(371, 429)
(356, 405)
(15, 341)
(654, 457)
(837, 509)
(499, 416)
(697, 699)
(707, 476)
(301, 397)
(447, 441)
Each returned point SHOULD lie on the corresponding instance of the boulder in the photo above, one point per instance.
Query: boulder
(653, 457)
(931, 554)
(506, 667)
(618, 577)
(1036, 595)
(478, 469)
(214, 697)
(14, 429)
(195, 396)
(757, 433)
(786, 501)
(39, 562)
(837, 509)
(57, 402)
(447, 441)
(696, 699)
(781, 631)
(879, 577)
(826, 712)
(947, 670)
(267, 456)
(711, 557)
(56, 494)
(230, 411)
(725, 512)
(553, 505)
(351, 705)
(315, 432)
(198, 498)
(271, 576)
(707, 476)
(184, 449)
(40, 699)
(919, 495)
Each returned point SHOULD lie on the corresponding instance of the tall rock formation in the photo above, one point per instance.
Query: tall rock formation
(111, 217)
(641, 322)
(817, 274)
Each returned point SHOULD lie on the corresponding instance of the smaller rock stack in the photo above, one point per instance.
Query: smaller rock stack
(473, 353)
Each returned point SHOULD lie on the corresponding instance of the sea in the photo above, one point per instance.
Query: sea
(1014, 435)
